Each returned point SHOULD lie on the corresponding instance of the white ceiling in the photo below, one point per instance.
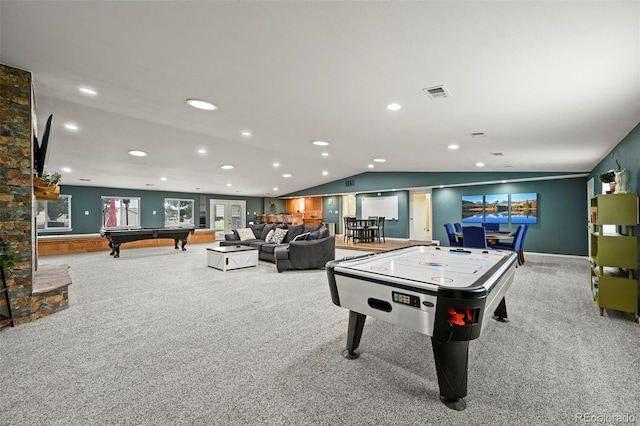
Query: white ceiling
(554, 85)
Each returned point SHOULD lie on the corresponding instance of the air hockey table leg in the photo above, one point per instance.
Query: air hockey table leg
(500, 314)
(452, 360)
(354, 333)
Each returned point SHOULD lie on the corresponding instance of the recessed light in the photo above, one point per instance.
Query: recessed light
(379, 160)
(163, 178)
(197, 103)
(324, 173)
(66, 169)
(453, 146)
(371, 166)
(137, 153)
(394, 107)
(478, 135)
(88, 91)
(480, 164)
(320, 143)
(227, 166)
(275, 189)
(246, 133)
(286, 175)
(71, 126)
(325, 154)
(276, 164)
(202, 151)
(228, 184)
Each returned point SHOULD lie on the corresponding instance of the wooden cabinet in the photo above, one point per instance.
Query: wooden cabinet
(614, 252)
(312, 207)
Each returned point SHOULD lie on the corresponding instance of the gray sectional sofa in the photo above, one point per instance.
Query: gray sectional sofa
(303, 246)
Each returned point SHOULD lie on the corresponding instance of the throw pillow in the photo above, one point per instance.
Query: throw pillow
(309, 228)
(246, 234)
(268, 227)
(294, 231)
(313, 235)
(323, 232)
(257, 229)
(301, 237)
(279, 235)
(269, 238)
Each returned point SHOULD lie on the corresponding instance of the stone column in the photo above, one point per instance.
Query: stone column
(16, 221)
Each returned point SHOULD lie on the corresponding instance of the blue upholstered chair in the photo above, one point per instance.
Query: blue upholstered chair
(474, 237)
(453, 241)
(458, 227)
(521, 251)
(516, 246)
(491, 226)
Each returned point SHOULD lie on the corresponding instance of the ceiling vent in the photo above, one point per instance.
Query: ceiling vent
(497, 154)
(437, 92)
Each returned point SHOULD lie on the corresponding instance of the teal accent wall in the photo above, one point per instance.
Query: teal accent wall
(562, 202)
(88, 198)
(391, 181)
(331, 211)
(627, 152)
(392, 228)
(562, 213)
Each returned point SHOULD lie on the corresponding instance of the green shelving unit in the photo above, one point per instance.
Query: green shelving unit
(614, 254)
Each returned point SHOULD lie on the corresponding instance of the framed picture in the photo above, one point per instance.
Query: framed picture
(524, 208)
(496, 208)
(472, 209)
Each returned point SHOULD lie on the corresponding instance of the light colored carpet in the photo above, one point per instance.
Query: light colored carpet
(158, 338)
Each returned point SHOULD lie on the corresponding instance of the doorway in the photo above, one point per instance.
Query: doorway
(227, 215)
(420, 218)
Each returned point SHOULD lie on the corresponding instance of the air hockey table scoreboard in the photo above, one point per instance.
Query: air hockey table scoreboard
(443, 292)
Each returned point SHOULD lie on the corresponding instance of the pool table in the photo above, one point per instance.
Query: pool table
(116, 237)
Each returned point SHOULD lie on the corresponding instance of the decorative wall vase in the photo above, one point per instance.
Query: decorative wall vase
(622, 177)
(43, 191)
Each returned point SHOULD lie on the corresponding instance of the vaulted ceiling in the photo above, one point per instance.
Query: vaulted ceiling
(552, 86)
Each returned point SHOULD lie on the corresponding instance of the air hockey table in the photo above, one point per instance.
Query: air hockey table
(446, 293)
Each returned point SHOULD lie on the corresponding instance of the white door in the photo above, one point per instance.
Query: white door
(420, 218)
(227, 215)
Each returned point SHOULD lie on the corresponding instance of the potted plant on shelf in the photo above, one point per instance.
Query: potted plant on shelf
(610, 178)
(46, 186)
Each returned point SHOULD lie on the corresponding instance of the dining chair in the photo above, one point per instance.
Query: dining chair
(458, 227)
(474, 237)
(353, 231)
(516, 245)
(380, 229)
(490, 226)
(347, 230)
(524, 236)
(453, 241)
(371, 228)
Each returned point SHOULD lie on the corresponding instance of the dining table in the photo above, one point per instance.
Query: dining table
(492, 236)
(365, 228)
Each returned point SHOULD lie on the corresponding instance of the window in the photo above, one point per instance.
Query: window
(54, 215)
(121, 212)
(178, 212)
